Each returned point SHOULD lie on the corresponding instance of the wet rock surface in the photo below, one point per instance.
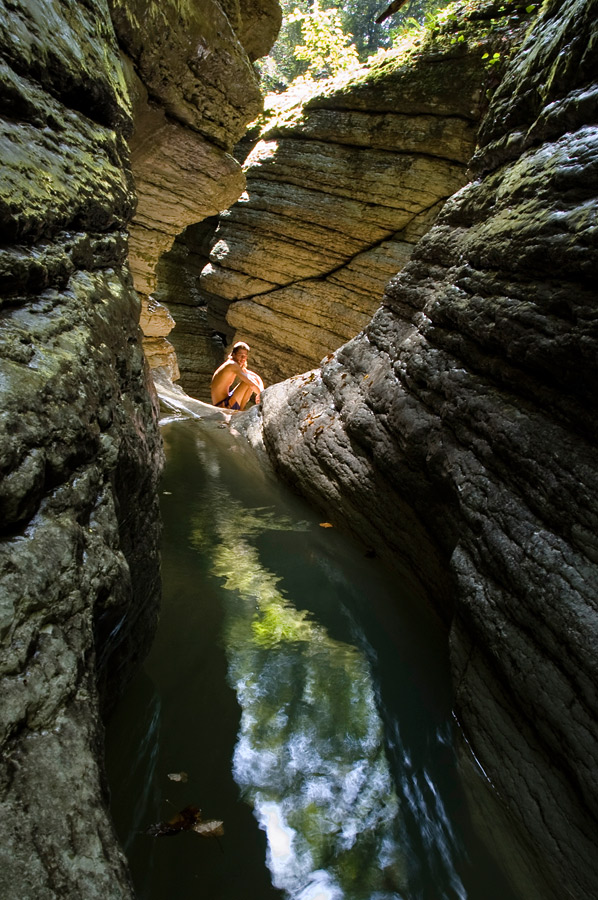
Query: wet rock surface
(79, 448)
(457, 435)
(343, 184)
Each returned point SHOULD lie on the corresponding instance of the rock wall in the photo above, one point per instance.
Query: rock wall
(79, 448)
(344, 183)
(457, 434)
(80, 452)
(199, 351)
(194, 89)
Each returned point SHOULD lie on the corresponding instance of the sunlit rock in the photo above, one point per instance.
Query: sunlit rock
(181, 178)
(160, 354)
(341, 186)
(156, 323)
(194, 89)
(155, 319)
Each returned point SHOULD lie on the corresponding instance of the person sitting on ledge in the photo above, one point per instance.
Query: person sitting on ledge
(224, 391)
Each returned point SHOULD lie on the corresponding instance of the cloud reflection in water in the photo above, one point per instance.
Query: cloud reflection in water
(310, 752)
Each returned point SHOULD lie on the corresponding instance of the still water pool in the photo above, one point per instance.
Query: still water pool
(294, 692)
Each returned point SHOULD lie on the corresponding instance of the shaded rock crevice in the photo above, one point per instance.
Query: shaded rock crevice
(196, 333)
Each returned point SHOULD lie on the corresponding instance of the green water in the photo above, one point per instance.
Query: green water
(304, 697)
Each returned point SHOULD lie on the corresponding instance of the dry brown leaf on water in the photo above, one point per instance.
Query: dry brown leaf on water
(182, 821)
(188, 819)
(211, 828)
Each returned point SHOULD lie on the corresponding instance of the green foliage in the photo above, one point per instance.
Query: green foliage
(281, 67)
(326, 48)
(493, 60)
(359, 18)
(317, 42)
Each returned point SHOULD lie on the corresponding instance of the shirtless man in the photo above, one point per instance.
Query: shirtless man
(235, 367)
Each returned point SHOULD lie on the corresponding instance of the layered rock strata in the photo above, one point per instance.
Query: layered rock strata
(199, 351)
(458, 435)
(342, 185)
(156, 323)
(194, 89)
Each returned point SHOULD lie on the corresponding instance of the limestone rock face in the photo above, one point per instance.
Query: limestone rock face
(156, 323)
(339, 190)
(79, 447)
(197, 351)
(189, 71)
(180, 178)
(458, 435)
(194, 59)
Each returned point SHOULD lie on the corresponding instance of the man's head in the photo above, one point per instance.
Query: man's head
(240, 352)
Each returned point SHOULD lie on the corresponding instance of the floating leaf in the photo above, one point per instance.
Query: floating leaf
(178, 776)
(188, 819)
(211, 828)
(182, 821)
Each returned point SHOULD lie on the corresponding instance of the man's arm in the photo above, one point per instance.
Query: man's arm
(256, 377)
(248, 377)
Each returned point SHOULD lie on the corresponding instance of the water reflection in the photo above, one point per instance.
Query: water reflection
(310, 755)
(335, 720)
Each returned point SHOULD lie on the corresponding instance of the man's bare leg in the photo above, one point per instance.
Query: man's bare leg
(241, 394)
(261, 385)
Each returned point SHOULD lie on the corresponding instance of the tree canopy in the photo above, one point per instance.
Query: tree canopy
(320, 38)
